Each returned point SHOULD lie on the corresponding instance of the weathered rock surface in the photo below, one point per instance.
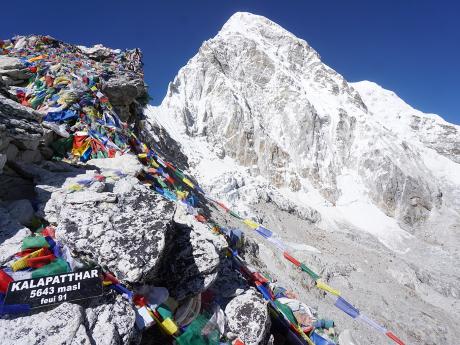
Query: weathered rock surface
(261, 96)
(248, 317)
(21, 210)
(11, 235)
(12, 71)
(123, 92)
(20, 126)
(125, 230)
(155, 135)
(110, 323)
(193, 259)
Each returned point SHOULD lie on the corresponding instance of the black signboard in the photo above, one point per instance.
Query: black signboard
(60, 288)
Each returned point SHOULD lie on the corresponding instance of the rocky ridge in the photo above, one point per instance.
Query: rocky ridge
(113, 221)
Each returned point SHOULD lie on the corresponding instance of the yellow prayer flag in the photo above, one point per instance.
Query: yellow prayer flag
(169, 326)
(323, 286)
(251, 224)
(75, 187)
(22, 262)
(154, 164)
(181, 195)
(78, 151)
(188, 182)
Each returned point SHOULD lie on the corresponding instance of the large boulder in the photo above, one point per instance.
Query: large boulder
(13, 71)
(22, 211)
(20, 123)
(107, 323)
(11, 235)
(193, 259)
(122, 92)
(248, 317)
(124, 230)
(118, 223)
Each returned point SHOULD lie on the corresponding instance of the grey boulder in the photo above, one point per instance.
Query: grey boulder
(71, 324)
(248, 317)
(194, 257)
(124, 230)
(22, 211)
(11, 235)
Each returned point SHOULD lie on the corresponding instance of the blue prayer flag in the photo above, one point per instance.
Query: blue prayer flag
(346, 307)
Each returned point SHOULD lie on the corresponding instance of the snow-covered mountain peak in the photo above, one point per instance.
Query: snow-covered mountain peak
(260, 29)
(257, 107)
(390, 102)
(431, 130)
(281, 137)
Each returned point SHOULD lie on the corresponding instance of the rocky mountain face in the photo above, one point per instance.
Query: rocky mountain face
(368, 182)
(262, 97)
(357, 184)
(406, 122)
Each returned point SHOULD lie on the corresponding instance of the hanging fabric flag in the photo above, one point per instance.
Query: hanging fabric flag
(264, 231)
(346, 307)
(188, 182)
(372, 323)
(291, 259)
(154, 164)
(319, 340)
(394, 338)
(278, 243)
(160, 161)
(236, 215)
(250, 223)
(312, 274)
(323, 286)
(223, 206)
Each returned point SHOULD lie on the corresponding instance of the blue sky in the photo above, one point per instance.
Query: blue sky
(409, 46)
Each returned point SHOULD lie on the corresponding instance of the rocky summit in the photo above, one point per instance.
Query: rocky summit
(265, 201)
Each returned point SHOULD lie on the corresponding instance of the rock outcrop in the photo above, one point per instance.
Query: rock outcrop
(11, 235)
(105, 322)
(248, 317)
(124, 230)
(193, 259)
(20, 132)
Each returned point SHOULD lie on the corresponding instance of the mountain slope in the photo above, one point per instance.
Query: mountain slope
(270, 129)
(392, 112)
